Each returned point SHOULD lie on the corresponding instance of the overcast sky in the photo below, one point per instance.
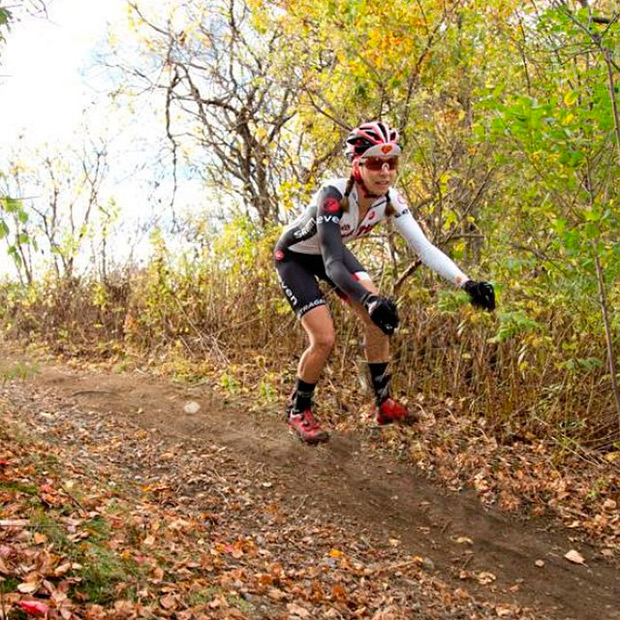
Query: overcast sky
(45, 82)
(49, 76)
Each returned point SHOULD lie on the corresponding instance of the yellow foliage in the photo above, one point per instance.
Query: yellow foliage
(571, 97)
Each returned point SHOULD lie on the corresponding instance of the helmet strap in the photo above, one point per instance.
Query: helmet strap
(357, 173)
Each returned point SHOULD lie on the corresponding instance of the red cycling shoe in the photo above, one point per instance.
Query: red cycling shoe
(391, 411)
(307, 428)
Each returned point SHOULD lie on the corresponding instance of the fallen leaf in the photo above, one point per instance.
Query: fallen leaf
(385, 614)
(485, 578)
(275, 594)
(575, 557)
(168, 602)
(297, 610)
(28, 587)
(62, 569)
(504, 610)
(34, 608)
(14, 522)
(5, 551)
(66, 614)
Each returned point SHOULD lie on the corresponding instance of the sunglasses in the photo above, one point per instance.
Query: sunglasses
(377, 163)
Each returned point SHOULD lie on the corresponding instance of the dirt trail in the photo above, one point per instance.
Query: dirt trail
(349, 482)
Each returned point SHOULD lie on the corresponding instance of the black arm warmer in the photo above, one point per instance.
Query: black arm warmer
(332, 248)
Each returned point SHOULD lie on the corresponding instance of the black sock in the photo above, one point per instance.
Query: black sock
(302, 397)
(380, 380)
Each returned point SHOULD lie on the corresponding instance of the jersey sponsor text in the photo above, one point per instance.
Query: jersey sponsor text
(328, 219)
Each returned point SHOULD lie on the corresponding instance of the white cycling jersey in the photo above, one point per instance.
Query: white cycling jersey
(302, 234)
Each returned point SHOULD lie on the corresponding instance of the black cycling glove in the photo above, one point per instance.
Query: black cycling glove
(383, 312)
(481, 294)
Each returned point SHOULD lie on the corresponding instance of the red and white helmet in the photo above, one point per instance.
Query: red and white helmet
(376, 139)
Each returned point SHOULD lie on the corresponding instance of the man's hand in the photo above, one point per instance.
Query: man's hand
(383, 312)
(481, 294)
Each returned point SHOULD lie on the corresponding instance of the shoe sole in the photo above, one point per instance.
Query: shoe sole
(310, 441)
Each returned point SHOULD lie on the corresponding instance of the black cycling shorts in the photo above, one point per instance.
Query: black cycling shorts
(299, 275)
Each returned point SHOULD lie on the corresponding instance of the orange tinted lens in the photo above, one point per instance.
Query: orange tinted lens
(377, 163)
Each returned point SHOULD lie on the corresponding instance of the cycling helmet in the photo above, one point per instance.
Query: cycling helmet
(376, 139)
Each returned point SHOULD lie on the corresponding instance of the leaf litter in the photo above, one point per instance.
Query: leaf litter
(187, 530)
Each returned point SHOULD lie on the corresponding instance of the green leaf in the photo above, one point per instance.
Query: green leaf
(5, 17)
(10, 205)
(514, 323)
(591, 231)
(14, 254)
(592, 215)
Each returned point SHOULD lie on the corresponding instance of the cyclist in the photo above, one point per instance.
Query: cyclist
(312, 248)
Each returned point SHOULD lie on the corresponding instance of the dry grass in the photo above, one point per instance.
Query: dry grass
(234, 319)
